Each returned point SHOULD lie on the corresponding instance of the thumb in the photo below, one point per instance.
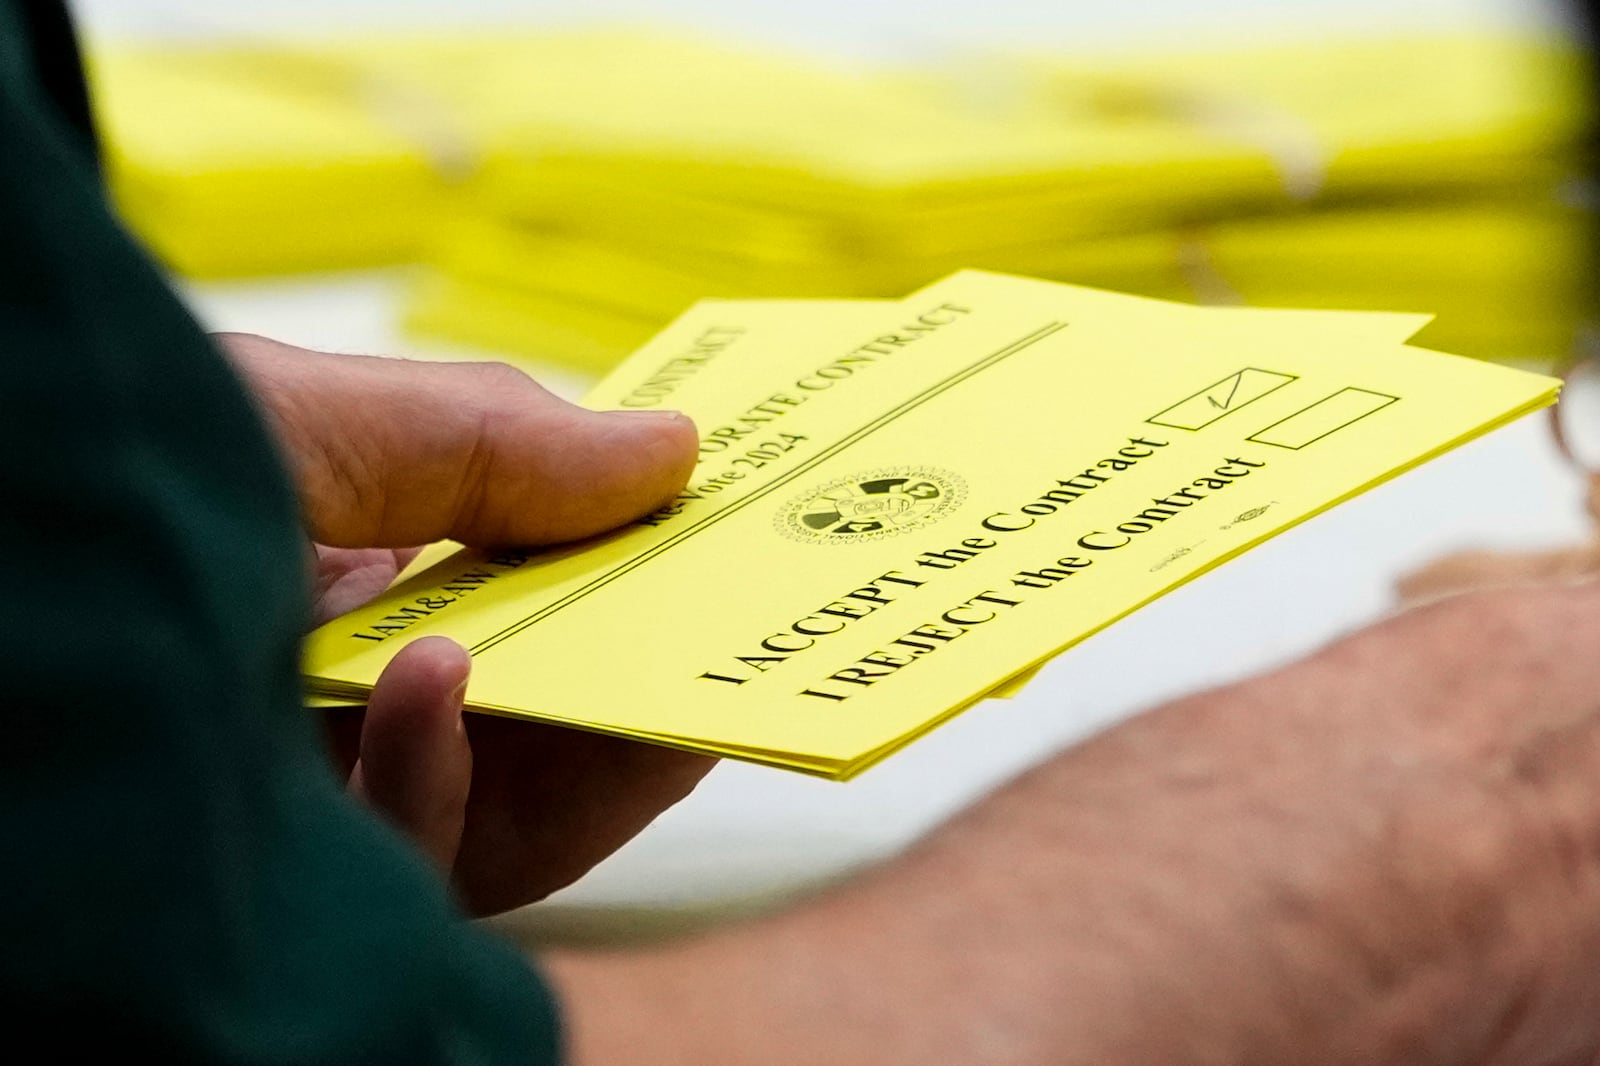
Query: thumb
(415, 762)
(388, 452)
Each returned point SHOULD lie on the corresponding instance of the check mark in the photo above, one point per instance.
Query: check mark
(1232, 392)
(1221, 398)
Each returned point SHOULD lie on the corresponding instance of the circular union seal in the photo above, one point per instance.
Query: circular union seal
(871, 505)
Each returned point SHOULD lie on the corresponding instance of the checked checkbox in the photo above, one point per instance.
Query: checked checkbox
(1221, 399)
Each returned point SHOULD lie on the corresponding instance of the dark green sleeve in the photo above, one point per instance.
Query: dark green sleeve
(183, 876)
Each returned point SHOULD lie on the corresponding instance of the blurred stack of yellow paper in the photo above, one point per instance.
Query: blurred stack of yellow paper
(1511, 280)
(614, 135)
(1425, 173)
(250, 159)
(574, 190)
(1511, 276)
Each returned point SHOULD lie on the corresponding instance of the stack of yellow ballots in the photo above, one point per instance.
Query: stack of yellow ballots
(1411, 174)
(244, 158)
(576, 190)
(902, 507)
(306, 147)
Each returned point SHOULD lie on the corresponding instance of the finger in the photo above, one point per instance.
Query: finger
(1467, 571)
(389, 452)
(346, 578)
(548, 803)
(415, 765)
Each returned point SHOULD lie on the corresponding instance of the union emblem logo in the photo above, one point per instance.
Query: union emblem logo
(868, 506)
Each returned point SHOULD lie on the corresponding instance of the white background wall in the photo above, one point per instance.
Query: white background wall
(892, 28)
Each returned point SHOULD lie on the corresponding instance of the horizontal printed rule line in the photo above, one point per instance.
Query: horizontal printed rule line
(938, 388)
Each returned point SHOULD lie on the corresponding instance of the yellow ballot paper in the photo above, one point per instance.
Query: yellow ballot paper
(900, 507)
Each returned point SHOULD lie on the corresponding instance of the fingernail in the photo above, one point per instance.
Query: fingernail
(459, 696)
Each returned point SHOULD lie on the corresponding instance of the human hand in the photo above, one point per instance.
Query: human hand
(1388, 853)
(1469, 570)
(386, 454)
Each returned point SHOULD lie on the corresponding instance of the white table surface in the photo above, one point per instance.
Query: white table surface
(751, 831)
